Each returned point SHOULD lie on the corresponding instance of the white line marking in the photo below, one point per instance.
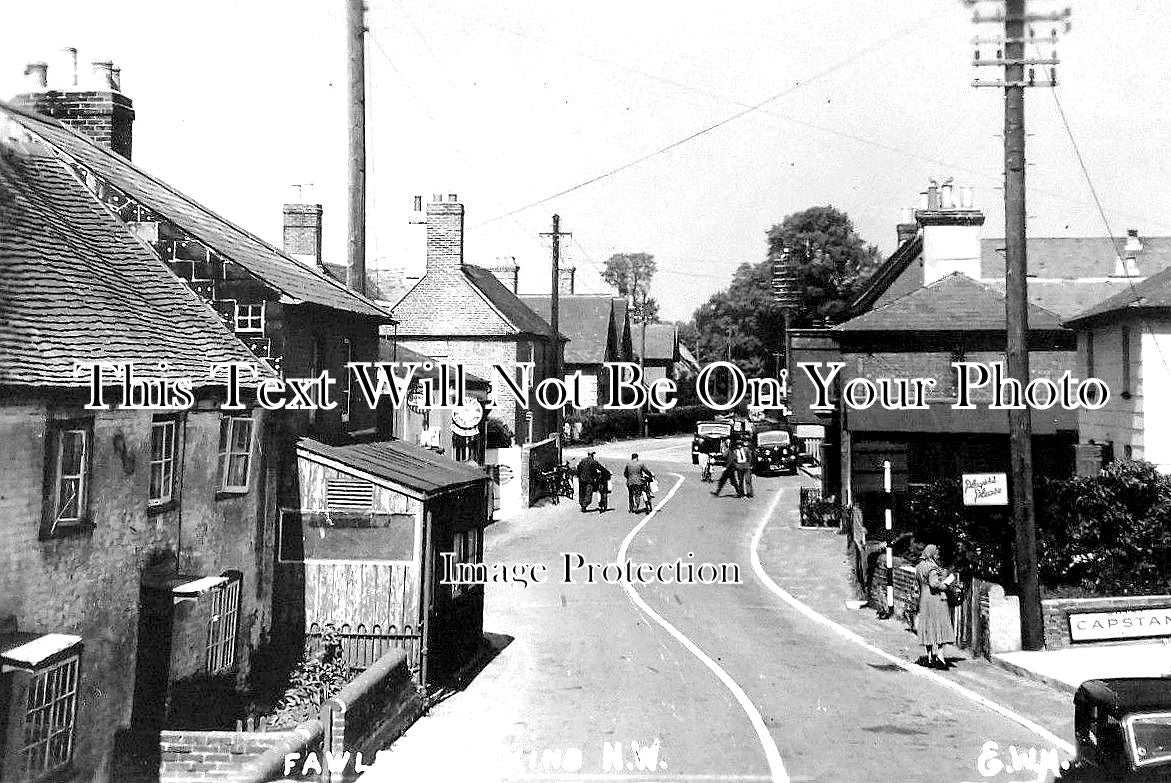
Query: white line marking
(772, 755)
(913, 668)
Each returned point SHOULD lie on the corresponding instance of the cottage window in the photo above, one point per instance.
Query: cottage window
(162, 461)
(236, 434)
(1126, 362)
(222, 625)
(42, 682)
(250, 317)
(68, 463)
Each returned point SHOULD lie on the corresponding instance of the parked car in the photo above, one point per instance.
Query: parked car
(709, 437)
(775, 451)
(1122, 727)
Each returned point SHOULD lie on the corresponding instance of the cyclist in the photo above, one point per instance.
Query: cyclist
(638, 479)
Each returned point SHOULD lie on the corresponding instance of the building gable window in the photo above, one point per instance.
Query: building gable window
(41, 676)
(222, 624)
(249, 318)
(68, 472)
(236, 435)
(163, 438)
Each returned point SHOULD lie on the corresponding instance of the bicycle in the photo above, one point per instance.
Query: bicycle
(705, 473)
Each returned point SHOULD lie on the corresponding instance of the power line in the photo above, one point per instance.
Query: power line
(714, 126)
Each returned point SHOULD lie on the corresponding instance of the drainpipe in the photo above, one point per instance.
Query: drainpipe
(428, 595)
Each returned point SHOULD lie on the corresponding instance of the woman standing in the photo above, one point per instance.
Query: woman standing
(934, 620)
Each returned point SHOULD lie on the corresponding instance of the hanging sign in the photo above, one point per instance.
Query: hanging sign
(985, 489)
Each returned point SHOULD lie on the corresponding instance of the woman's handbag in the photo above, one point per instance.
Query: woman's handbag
(955, 592)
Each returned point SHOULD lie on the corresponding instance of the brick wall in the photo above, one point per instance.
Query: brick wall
(375, 709)
(1056, 614)
(89, 584)
(214, 755)
(906, 587)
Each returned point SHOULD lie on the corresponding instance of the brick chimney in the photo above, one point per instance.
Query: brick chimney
(507, 272)
(92, 103)
(302, 232)
(445, 236)
(951, 232)
(565, 278)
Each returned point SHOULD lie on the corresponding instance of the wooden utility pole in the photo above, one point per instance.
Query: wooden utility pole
(356, 51)
(1017, 21)
(787, 296)
(555, 312)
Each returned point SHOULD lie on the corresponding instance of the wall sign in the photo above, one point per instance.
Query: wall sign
(1122, 624)
(985, 489)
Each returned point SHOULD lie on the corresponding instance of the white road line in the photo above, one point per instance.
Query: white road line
(913, 668)
(772, 755)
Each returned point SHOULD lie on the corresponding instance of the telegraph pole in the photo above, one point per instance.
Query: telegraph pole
(1017, 22)
(787, 296)
(555, 311)
(356, 51)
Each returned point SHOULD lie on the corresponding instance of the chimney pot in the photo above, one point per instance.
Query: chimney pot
(36, 76)
(418, 203)
(436, 198)
(453, 198)
(924, 200)
(103, 75)
(69, 55)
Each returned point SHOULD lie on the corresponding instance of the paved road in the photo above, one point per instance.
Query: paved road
(694, 682)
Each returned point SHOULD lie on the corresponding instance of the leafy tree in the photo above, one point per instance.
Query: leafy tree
(832, 260)
(631, 274)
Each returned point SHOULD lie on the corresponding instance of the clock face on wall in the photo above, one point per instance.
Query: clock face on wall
(465, 420)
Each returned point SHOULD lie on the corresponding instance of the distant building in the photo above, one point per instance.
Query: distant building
(462, 313)
(662, 349)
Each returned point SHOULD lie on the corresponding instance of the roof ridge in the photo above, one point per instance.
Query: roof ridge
(183, 196)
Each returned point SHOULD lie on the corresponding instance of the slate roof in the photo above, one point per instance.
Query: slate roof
(586, 319)
(1068, 257)
(76, 284)
(261, 259)
(509, 304)
(1067, 297)
(660, 341)
(1154, 293)
(954, 303)
(400, 462)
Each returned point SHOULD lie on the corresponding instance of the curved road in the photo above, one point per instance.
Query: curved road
(698, 682)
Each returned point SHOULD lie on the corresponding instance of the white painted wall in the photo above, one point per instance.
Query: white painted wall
(948, 249)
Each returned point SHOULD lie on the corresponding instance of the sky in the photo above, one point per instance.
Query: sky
(508, 103)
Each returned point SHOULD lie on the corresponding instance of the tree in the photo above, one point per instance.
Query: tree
(832, 261)
(631, 274)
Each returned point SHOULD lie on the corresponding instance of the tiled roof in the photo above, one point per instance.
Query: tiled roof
(952, 303)
(585, 319)
(1076, 256)
(77, 285)
(1069, 297)
(509, 304)
(660, 341)
(253, 254)
(401, 463)
(1152, 293)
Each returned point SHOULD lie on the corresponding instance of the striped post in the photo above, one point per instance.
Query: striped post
(890, 560)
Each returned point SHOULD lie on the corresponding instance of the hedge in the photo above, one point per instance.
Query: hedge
(600, 424)
(1107, 534)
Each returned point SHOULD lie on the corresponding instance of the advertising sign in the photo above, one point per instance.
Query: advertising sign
(985, 489)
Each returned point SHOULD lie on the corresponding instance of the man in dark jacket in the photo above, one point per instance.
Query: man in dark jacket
(586, 467)
(731, 469)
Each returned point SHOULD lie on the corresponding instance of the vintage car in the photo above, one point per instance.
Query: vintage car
(775, 451)
(1122, 728)
(709, 437)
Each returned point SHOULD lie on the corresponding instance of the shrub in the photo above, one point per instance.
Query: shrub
(317, 678)
(977, 541)
(1109, 533)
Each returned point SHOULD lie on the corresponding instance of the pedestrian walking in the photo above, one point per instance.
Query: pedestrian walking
(730, 470)
(744, 468)
(637, 477)
(933, 623)
(586, 468)
(601, 483)
(566, 431)
(577, 428)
